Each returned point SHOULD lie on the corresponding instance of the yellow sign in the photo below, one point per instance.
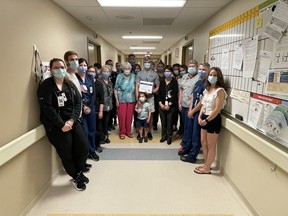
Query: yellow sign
(259, 21)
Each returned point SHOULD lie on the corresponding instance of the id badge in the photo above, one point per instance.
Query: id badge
(60, 101)
(91, 89)
(64, 96)
(166, 103)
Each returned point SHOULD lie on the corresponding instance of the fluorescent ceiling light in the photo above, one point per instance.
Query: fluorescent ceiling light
(142, 53)
(142, 47)
(142, 3)
(142, 37)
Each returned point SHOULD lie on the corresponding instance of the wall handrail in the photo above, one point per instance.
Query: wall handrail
(13, 148)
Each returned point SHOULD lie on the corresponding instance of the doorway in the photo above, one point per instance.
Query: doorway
(187, 52)
(94, 53)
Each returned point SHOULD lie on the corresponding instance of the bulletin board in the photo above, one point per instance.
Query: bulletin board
(252, 52)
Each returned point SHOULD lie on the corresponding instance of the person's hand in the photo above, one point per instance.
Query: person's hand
(180, 107)
(100, 115)
(67, 127)
(117, 103)
(167, 107)
(86, 109)
(190, 114)
(202, 122)
(148, 120)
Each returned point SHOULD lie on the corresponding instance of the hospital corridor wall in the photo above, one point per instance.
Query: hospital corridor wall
(29, 163)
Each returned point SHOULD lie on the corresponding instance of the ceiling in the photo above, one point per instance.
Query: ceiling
(112, 23)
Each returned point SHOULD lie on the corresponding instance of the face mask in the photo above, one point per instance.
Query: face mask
(106, 74)
(201, 73)
(142, 99)
(74, 64)
(82, 69)
(136, 71)
(126, 72)
(98, 71)
(59, 73)
(160, 70)
(132, 62)
(182, 73)
(212, 79)
(192, 70)
(176, 72)
(168, 74)
(147, 65)
(93, 74)
(118, 69)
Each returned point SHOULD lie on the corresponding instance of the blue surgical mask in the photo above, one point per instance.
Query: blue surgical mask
(192, 70)
(160, 69)
(147, 65)
(59, 73)
(126, 72)
(98, 71)
(82, 69)
(136, 71)
(167, 74)
(132, 62)
(74, 64)
(201, 73)
(182, 73)
(212, 79)
(176, 72)
(106, 74)
(118, 69)
(93, 74)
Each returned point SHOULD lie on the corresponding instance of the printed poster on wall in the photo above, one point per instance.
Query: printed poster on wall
(280, 53)
(277, 82)
(250, 48)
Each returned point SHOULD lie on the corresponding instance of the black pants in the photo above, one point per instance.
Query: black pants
(99, 131)
(166, 122)
(177, 115)
(156, 113)
(72, 147)
(104, 124)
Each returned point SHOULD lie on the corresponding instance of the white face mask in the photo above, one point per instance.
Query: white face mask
(142, 99)
(147, 65)
(126, 72)
(98, 71)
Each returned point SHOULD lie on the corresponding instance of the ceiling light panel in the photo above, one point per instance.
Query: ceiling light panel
(141, 37)
(142, 3)
(148, 48)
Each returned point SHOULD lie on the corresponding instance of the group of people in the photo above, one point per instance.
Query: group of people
(80, 104)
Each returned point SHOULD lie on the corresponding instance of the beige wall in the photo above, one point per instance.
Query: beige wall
(24, 23)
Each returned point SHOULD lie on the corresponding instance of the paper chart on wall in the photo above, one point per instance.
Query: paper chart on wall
(278, 23)
(250, 47)
(238, 57)
(263, 66)
(280, 53)
(225, 59)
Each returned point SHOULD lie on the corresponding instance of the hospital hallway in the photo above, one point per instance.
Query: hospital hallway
(146, 178)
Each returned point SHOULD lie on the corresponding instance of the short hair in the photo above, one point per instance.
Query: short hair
(126, 64)
(183, 66)
(108, 67)
(80, 60)
(108, 61)
(69, 53)
(194, 62)
(169, 68)
(205, 64)
(176, 65)
(97, 65)
(147, 58)
(131, 55)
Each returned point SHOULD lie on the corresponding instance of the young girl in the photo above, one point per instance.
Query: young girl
(144, 114)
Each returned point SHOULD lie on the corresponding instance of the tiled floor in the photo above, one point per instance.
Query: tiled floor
(130, 178)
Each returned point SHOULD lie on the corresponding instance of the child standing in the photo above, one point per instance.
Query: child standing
(144, 114)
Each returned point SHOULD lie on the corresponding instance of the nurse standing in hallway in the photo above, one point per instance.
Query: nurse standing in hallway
(60, 104)
(209, 118)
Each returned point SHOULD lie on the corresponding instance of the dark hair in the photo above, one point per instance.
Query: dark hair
(161, 63)
(52, 61)
(138, 66)
(97, 65)
(184, 66)
(80, 60)
(131, 55)
(109, 60)
(69, 53)
(143, 94)
(205, 64)
(169, 68)
(176, 65)
(90, 67)
(220, 79)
